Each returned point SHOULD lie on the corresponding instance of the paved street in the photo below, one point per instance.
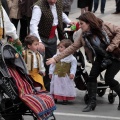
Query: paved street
(104, 110)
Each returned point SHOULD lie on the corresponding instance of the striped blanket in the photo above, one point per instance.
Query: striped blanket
(41, 103)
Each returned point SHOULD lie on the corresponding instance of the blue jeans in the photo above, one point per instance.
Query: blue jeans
(96, 2)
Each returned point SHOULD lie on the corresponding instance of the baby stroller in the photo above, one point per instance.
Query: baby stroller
(81, 76)
(17, 94)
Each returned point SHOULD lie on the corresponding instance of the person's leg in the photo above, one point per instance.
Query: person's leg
(82, 10)
(1, 118)
(103, 2)
(96, 2)
(90, 5)
(86, 9)
(92, 85)
(118, 6)
(64, 25)
(50, 50)
(15, 22)
(112, 70)
(23, 29)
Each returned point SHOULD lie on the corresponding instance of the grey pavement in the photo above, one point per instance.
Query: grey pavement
(107, 16)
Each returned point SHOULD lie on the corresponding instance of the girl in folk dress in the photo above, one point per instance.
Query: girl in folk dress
(34, 62)
(62, 75)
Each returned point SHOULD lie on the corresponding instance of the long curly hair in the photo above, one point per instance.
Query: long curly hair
(94, 23)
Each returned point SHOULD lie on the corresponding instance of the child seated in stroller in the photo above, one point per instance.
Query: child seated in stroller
(34, 62)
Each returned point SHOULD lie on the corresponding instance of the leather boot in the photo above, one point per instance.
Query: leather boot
(1, 118)
(117, 90)
(92, 90)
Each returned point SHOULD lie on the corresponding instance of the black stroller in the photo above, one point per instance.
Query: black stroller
(14, 103)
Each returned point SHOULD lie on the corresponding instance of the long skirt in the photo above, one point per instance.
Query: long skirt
(62, 88)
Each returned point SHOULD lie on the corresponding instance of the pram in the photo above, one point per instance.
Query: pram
(82, 75)
(17, 94)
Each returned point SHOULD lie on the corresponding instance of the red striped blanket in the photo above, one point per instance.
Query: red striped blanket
(42, 104)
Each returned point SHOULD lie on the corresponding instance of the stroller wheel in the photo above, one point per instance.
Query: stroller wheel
(111, 98)
(52, 117)
(101, 92)
(86, 98)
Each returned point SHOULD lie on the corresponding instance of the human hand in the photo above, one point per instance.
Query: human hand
(109, 49)
(41, 47)
(116, 52)
(72, 23)
(71, 76)
(42, 73)
(50, 61)
(50, 76)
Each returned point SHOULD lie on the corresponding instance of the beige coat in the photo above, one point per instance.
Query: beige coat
(14, 9)
(113, 33)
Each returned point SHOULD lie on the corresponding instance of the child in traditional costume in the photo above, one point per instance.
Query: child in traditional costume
(34, 62)
(62, 75)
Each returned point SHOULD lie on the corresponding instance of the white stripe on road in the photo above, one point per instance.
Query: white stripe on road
(87, 116)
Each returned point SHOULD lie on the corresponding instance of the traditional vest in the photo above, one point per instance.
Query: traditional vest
(62, 69)
(46, 21)
(28, 57)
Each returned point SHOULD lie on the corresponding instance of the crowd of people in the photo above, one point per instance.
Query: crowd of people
(55, 72)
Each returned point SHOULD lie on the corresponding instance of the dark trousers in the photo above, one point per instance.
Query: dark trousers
(90, 5)
(5, 6)
(110, 73)
(50, 50)
(24, 27)
(117, 5)
(102, 8)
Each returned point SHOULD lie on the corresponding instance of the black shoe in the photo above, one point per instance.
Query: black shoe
(93, 11)
(102, 12)
(77, 18)
(118, 107)
(116, 12)
(65, 102)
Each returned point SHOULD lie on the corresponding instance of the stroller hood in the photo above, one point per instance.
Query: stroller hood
(8, 53)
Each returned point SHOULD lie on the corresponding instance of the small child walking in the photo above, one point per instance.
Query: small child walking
(34, 62)
(62, 75)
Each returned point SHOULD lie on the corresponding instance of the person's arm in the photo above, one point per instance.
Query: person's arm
(73, 66)
(65, 19)
(36, 16)
(70, 50)
(10, 29)
(115, 31)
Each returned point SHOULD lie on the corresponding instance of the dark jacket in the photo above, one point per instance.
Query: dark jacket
(25, 7)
